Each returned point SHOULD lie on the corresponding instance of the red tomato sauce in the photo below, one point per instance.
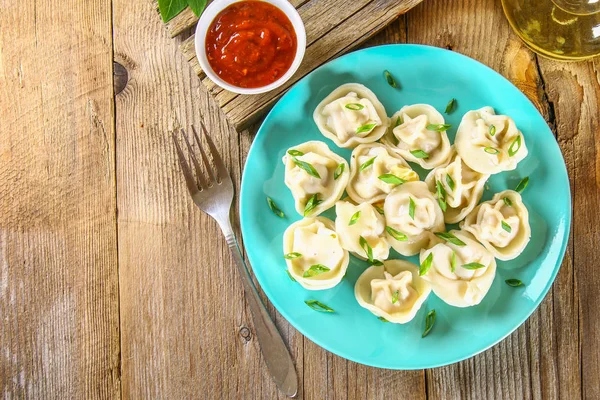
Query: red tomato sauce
(251, 44)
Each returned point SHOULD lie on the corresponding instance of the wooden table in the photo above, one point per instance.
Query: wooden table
(112, 284)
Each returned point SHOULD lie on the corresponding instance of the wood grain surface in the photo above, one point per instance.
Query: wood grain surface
(113, 285)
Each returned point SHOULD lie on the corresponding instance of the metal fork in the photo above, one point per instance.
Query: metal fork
(213, 194)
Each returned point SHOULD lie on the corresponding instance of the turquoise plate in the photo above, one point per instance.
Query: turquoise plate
(426, 75)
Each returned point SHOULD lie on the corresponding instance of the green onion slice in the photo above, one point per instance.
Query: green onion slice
(429, 321)
(399, 236)
(307, 167)
(390, 79)
(312, 203)
(492, 130)
(411, 207)
(447, 236)
(514, 282)
(366, 128)
(354, 218)
(365, 246)
(514, 146)
(354, 106)
(450, 182)
(506, 227)
(315, 270)
(438, 127)
(274, 208)
(426, 264)
(522, 185)
(295, 153)
(419, 153)
(391, 179)
(367, 164)
(491, 150)
(318, 306)
(339, 171)
(291, 256)
(473, 265)
(450, 106)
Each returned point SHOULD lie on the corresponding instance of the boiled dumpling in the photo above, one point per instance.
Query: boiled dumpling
(314, 253)
(459, 187)
(461, 270)
(375, 171)
(418, 134)
(489, 143)
(501, 225)
(411, 213)
(316, 176)
(394, 291)
(362, 221)
(351, 115)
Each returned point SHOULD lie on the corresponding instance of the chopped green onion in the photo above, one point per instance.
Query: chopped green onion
(395, 296)
(395, 140)
(473, 265)
(367, 249)
(274, 208)
(290, 275)
(450, 182)
(366, 128)
(453, 262)
(307, 167)
(377, 263)
(429, 321)
(391, 179)
(312, 203)
(419, 153)
(339, 171)
(411, 207)
(507, 201)
(516, 143)
(354, 106)
(390, 79)
(367, 164)
(441, 195)
(522, 185)
(383, 319)
(318, 306)
(378, 209)
(514, 282)
(426, 264)
(295, 153)
(506, 227)
(315, 270)
(399, 236)
(438, 127)
(291, 256)
(450, 106)
(491, 150)
(354, 218)
(492, 130)
(399, 121)
(447, 236)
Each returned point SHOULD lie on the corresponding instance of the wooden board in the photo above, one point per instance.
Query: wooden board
(332, 28)
(59, 311)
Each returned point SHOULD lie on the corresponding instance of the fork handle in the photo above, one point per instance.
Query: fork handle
(276, 355)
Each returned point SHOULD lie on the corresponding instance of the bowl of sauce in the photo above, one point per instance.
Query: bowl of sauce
(250, 46)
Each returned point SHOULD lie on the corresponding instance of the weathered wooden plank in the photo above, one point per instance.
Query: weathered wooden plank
(59, 335)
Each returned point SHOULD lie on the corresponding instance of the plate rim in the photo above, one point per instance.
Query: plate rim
(543, 293)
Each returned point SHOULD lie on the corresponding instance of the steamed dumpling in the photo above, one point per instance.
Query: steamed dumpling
(486, 152)
(501, 225)
(353, 222)
(366, 185)
(414, 136)
(461, 188)
(328, 184)
(465, 281)
(351, 115)
(410, 227)
(320, 261)
(394, 291)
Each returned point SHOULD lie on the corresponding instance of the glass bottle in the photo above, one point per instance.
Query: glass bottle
(558, 29)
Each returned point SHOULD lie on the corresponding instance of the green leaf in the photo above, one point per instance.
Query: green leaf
(453, 262)
(441, 195)
(383, 319)
(450, 106)
(339, 171)
(307, 167)
(522, 185)
(354, 106)
(429, 321)
(367, 164)
(411, 207)
(399, 121)
(197, 6)
(506, 227)
(399, 236)
(316, 269)
(395, 296)
(367, 249)
(492, 130)
(390, 79)
(312, 203)
(366, 128)
(507, 201)
(419, 153)
(447, 236)
(354, 218)
(318, 306)
(170, 8)
(426, 264)
(514, 282)
(391, 179)
(290, 275)
(439, 127)
(450, 182)
(491, 150)
(292, 255)
(378, 209)
(514, 146)
(274, 208)
(473, 265)
(295, 153)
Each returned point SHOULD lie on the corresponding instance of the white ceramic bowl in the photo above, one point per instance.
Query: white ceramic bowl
(209, 15)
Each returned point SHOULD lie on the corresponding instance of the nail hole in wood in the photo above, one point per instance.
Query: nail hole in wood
(120, 77)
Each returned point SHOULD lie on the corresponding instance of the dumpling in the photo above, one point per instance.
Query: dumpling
(501, 225)
(316, 176)
(411, 213)
(314, 254)
(461, 270)
(362, 221)
(351, 115)
(418, 134)
(394, 291)
(460, 188)
(371, 170)
(489, 143)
